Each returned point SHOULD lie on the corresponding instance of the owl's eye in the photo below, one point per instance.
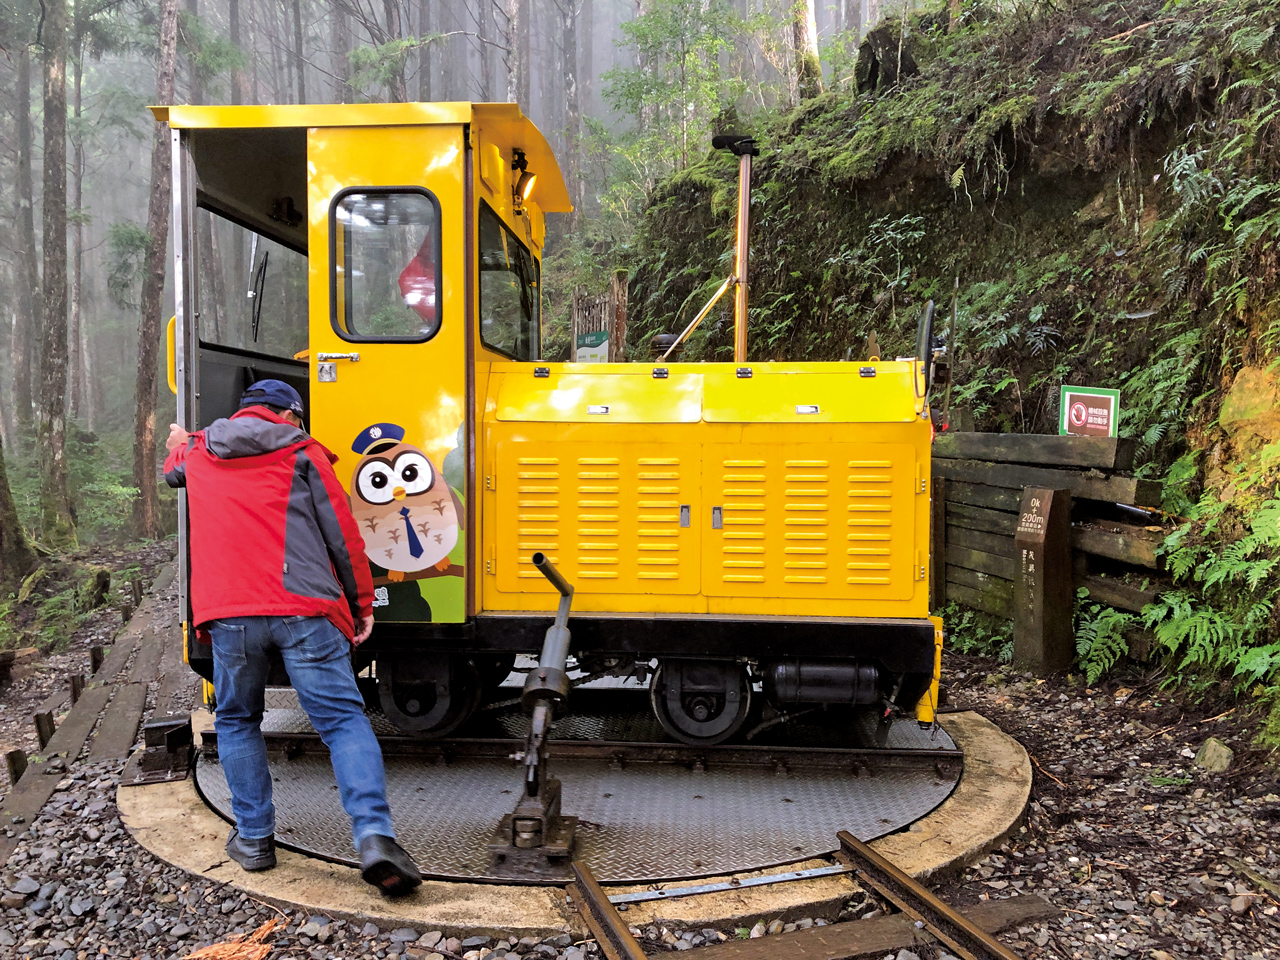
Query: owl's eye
(414, 471)
(374, 482)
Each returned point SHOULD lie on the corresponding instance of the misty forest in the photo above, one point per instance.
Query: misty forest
(1087, 187)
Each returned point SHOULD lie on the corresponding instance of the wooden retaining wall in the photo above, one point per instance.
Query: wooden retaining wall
(978, 483)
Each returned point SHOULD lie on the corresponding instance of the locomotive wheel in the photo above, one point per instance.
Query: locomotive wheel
(701, 702)
(431, 696)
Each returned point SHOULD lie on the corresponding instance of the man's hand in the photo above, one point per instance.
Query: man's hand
(364, 627)
(177, 437)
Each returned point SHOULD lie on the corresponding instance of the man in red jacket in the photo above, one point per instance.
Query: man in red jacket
(277, 563)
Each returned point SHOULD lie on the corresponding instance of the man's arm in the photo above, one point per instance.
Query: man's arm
(175, 464)
(341, 536)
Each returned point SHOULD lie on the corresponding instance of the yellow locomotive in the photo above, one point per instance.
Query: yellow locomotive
(731, 529)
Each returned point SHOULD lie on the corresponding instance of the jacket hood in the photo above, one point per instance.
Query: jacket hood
(250, 432)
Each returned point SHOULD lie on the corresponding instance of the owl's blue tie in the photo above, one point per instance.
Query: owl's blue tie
(415, 545)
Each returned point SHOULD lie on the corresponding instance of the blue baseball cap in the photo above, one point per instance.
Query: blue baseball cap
(276, 393)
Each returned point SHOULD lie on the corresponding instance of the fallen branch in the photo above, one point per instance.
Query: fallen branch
(1141, 26)
(242, 946)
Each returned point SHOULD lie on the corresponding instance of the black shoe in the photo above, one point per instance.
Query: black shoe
(384, 864)
(251, 854)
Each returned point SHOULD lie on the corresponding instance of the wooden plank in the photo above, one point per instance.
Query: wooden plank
(979, 600)
(937, 544)
(1037, 448)
(856, 939)
(117, 656)
(1118, 594)
(146, 665)
(75, 729)
(178, 682)
(1084, 485)
(981, 495)
(980, 518)
(977, 540)
(997, 586)
(119, 727)
(991, 564)
(52, 704)
(36, 787)
(1123, 545)
(25, 800)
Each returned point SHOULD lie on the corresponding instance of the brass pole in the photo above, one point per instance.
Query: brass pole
(744, 224)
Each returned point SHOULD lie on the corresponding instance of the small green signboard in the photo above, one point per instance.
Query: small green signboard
(592, 347)
(1089, 412)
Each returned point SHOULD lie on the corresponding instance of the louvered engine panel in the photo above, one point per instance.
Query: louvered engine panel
(832, 521)
(612, 521)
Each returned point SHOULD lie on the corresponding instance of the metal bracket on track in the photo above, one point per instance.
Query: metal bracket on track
(166, 754)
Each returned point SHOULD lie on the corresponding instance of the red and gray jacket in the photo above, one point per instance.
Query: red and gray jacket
(270, 527)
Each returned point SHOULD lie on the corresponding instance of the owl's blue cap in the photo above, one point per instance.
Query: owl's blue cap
(376, 436)
(277, 393)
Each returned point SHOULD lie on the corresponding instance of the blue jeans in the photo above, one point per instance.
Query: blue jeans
(318, 658)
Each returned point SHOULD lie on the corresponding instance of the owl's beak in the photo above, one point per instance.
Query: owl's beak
(398, 493)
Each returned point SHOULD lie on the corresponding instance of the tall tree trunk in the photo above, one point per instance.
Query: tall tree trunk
(425, 58)
(804, 43)
(146, 506)
(255, 90)
(76, 333)
(486, 60)
(518, 53)
(213, 298)
(237, 74)
(16, 557)
(397, 88)
(569, 15)
(298, 53)
(341, 39)
(281, 78)
(26, 267)
(56, 525)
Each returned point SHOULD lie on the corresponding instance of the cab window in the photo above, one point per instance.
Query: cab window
(508, 291)
(384, 244)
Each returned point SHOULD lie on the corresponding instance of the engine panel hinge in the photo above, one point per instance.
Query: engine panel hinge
(919, 566)
(922, 479)
(490, 559)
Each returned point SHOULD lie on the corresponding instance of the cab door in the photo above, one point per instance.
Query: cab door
(388, 353)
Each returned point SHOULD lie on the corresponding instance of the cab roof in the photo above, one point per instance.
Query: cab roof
(501, 121)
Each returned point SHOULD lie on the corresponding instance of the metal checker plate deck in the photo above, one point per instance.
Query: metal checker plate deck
(644, 822)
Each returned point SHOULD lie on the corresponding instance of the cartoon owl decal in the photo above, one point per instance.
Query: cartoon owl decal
(407, 513)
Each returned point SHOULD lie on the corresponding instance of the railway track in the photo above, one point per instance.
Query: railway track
(928, 918)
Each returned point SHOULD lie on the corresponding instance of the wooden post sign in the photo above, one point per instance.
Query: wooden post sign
(1043, 629)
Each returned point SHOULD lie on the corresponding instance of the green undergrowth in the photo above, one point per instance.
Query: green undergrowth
(51, 603)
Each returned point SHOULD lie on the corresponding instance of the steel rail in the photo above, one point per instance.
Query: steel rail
(947, 924)
(602, 917)
(786, 758)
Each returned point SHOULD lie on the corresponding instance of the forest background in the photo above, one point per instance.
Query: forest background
(1100, 178)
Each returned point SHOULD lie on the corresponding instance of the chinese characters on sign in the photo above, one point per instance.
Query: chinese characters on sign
(1089, 412)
